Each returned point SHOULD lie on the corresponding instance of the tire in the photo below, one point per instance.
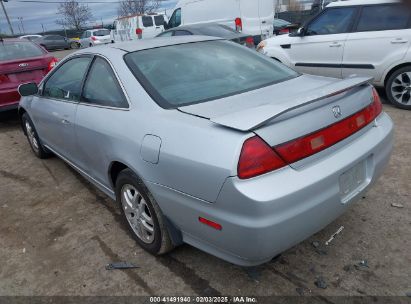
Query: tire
(138, 220)
(74, 45)
(35, 143)
(398, 88)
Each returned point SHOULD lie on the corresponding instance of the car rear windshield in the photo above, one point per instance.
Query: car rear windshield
(185, 74)
(18, 50)
(100, 33)
(216, 31)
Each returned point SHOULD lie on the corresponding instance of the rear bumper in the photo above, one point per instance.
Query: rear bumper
(9, 99)
(264, 216)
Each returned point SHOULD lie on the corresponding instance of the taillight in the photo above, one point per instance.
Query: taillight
(93, 38)
(308, 145)
(238, 25)
(4, 78)
(139, 33)
(284, 31)
(257, 158)
(52, 64)
(250, 42)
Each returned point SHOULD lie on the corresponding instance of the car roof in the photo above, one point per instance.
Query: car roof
(145, 44)
(360, 2)
(15, 40)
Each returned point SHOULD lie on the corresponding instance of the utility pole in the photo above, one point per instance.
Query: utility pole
(7, 16)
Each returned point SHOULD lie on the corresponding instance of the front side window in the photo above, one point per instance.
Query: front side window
(184, 74)
(147, 21)
(19, 50)
(65, 83)
(102, 88)
(332, 21)
(159, 20)
(383, 18)
(175, 19)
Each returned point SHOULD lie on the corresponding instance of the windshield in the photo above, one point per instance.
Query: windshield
(100, 33)
(185, 74)
(19, 50)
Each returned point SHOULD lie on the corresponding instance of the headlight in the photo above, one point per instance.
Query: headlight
(261, 46)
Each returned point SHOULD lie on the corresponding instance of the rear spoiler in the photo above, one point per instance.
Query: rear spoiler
(259, 116)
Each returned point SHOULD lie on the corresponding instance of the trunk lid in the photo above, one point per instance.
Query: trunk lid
(277, 113)
(15, 72)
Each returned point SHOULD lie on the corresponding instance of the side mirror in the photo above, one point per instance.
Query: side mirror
(28, 89)
(301, 32)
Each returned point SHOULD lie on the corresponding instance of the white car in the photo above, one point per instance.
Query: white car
(250, 17)
(355, 37)
(95, 37)
(137, 27)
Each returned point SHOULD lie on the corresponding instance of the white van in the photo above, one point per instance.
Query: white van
(252, 17)
(137, 27)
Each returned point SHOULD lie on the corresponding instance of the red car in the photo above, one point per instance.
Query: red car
(21, 61)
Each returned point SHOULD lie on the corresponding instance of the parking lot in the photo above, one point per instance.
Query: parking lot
(58, 233)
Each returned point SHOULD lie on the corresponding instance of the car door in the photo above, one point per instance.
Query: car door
(149, 30)
(103, 105)
(381, 38)
(320, 50)
(159, 24)
(175, 19)
(54, 108)
(83, 39)
(61, 42)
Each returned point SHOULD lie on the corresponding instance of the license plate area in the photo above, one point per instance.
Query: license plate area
(353, 181)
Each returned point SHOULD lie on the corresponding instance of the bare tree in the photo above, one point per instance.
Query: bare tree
(295, 6)
(73, 14)
(135, 7)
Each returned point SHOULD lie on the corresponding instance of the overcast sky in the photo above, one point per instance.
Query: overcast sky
(35, 14)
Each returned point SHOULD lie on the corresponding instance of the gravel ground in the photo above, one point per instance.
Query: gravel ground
(57, 233)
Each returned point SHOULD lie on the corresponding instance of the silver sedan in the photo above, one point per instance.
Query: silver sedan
(203, 141)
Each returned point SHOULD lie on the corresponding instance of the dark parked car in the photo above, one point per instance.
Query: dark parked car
(211, 29)
(53, 42)
(21, 61)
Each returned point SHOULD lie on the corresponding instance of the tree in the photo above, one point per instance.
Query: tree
(73, 15)
(295, 6)
(137, 7)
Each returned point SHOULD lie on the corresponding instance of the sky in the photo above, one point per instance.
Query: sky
(36, 14)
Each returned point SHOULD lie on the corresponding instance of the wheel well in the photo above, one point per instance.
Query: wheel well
(393, 70)
(21, 112)
(115, 169)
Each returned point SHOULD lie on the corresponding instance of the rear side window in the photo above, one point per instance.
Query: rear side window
(383, 18)
(19, 50)
(182, 33)
(102, 88)
(159, 20)
(332, 21)
(180, 75)
(65, 83)
(147, 21)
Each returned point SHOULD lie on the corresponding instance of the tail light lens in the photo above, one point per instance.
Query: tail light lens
(284, 31)
(258, 158)
(52, 64)
(139, 33)
(4, 78)
(238, 25)
(93, 38)
(250, 42)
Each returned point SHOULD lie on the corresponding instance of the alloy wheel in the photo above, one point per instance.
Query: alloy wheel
(32, 137)
(401, 88)
(137, 213)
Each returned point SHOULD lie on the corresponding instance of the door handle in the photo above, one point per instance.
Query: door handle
(65, 122)
(335, 44)
(399, 41)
